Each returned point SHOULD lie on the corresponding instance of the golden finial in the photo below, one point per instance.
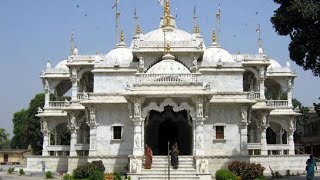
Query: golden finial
(168, 48)
(138, 30)
(196, 29)
(121, 36)
(214, 36)
(166, 9)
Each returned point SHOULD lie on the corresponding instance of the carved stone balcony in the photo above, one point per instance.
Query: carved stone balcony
(253, 95)
(277, 103)
(57, 104)
(166, 78)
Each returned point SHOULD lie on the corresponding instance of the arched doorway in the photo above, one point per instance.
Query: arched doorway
(169, 126)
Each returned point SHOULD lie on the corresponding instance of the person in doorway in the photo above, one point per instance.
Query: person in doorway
(174, 155)
(311, 164)
(148, 157)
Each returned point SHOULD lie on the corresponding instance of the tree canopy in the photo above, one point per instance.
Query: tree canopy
(26, 126)
(4, 139)
(300, 19)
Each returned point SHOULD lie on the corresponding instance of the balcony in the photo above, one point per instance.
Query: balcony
(253, 95)
(57, 104)
(278, 149)
(166, 78)
(277, 103)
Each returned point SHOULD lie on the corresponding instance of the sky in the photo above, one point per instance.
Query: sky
(33, 31)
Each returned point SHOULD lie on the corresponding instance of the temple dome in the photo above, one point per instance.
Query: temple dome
(120, 56)
(172, 35)
(273, 64)
(214, 53)
(62, 65)
(168, 66)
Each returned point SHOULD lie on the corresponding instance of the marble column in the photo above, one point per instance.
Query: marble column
(46, 93)
(74, 80)
(73, 142)
(46, 137)
(244, 130)
(289, 94)
(199, 137)
(261, 82)
(290, 133)
(93, 131)
(137, 133)
(263, 133)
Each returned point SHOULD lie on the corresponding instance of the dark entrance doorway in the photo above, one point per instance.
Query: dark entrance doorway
(169, 126)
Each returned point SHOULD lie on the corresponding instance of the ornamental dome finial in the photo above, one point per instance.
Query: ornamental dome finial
(122, 36)
(214, 36)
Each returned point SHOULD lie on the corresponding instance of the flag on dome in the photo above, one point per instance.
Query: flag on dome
(116, 4)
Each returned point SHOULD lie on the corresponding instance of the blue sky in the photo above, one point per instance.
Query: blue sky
(36, 30)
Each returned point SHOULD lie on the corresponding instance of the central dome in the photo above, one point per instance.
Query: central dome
(172, 35)
(168, 66)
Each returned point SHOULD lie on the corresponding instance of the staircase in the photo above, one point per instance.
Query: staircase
(159, 170)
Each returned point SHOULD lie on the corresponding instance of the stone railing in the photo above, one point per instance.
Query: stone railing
(167, 78)
(58, 148)
(253, 95)
(277, 103)
(173, 44)
(249, 57)
(278, 149)
(82, 146)
(57, 104)
(81, 96)
(57, 71)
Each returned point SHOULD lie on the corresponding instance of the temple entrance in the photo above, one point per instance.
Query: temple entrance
(169, 126)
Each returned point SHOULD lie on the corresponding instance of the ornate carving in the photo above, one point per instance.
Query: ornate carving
(74, 74)
(200, 107)
(199, 141)
(134, 165)
(66, 102)
(244, 113)
(137, 141)
(92, 115)
(130, 110)
(137, 107)
(45, 129)
(46, 85)
(40, 110)
(203, 165)
(141, 64)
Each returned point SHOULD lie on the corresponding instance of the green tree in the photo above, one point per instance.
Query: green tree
(26, 126)
(302, 120)
(300, 19)
(4, 139)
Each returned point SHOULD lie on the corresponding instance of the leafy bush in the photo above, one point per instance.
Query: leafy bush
(66, 177)
(49, 175)
(246, 170)
(129, 177)
(224, 174)
(96, 175)
(86, 170)
(10, 170)
(116, 176)
(21, 172)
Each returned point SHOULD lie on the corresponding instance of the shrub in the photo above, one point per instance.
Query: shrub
(129, 177)
(10, 170)
(21, 172)
(96, 175)
(246, 170)
(66, 177)
(49, 175)
(86, 170)
(116, 176)
(224, 174)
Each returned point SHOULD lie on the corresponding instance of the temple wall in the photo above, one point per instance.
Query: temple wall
(112, 83)
(114, 115)
(227, 116)
(224, 81)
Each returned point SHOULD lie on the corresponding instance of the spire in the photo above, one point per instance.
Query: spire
(72, 45)
(196, 28)
(121, 36)
(167, 13)
(260, 50)
(214, 36)
(136, 20)
(218, 17)
(168, 48)
(116, 18)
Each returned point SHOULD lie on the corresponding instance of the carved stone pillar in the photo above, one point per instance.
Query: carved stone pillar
(199, 150)
(93, 131)
(261, 82)
(244, 130)
(73, 130)
(141, 64)
(73, 142)
(289, 94)
(263, 130)
(46, 138)
(138, 122)
(290, 136)
(74, 80)
(46, 93)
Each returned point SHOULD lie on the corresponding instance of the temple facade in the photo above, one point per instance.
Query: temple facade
(167, 86)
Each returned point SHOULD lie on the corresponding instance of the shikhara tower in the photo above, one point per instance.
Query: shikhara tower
(168, 86)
